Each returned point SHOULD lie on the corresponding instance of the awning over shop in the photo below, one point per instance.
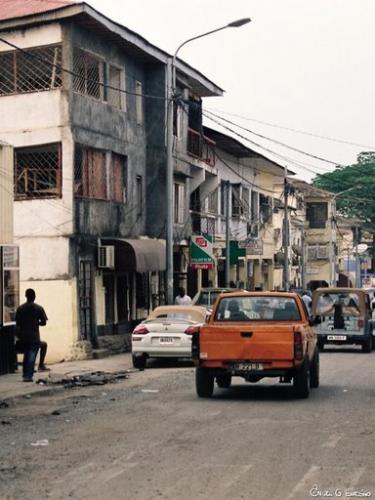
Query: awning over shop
(141, 256)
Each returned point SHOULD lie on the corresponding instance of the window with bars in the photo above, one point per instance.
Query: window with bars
(90, 177)
(30, 70)
(37, 172)
(99, 179)
(317, 215)
(88, 76)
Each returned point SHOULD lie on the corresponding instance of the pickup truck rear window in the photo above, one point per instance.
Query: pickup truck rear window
(259, 308)
(338, 303)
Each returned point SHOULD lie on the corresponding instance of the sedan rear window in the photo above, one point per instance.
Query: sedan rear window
(257, 308)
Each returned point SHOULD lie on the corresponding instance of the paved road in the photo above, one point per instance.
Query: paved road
(151, 437)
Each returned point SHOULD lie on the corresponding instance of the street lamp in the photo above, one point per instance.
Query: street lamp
(331, 248)
(171, 80)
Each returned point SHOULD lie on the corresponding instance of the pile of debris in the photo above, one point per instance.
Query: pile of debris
(86, 379)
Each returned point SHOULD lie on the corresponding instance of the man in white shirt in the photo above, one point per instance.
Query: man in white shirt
(307, 300)
(182, 299)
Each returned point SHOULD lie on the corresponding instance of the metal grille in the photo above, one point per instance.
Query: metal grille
(90, 177)
(88, 74)
(85, 299)
(30, 70)
(38, 172)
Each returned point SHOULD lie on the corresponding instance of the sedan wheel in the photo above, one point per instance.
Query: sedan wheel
(139, 361)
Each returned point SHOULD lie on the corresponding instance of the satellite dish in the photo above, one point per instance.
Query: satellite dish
(362, 247)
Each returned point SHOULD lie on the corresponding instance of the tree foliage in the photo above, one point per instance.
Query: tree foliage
(360, 179)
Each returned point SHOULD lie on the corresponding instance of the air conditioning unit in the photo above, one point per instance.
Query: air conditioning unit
(106, 257)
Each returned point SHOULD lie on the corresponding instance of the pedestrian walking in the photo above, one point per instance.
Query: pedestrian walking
(29, 317)
(307, 300)
(182, 299)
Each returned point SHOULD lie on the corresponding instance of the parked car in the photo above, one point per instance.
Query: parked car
(255, 335)
(343, 316)
(206, 297)
(163, 333)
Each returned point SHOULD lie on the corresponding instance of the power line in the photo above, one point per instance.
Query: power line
(298, 131)
(283, 157)
(311, 155)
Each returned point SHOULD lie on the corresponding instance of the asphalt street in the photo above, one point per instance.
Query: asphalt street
(151, 437)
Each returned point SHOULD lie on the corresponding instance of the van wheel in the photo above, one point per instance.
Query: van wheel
(301, 381)
(139, 361)
(321, 345)
(204, 383)
(314, 370)
(224, 381)
(367, 344)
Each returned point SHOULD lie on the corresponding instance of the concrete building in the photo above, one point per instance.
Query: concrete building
(315, 216)
(83, 101)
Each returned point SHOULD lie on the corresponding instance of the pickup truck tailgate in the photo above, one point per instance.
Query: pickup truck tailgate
(245, 342)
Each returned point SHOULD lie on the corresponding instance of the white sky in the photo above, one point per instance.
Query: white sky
(302, 64)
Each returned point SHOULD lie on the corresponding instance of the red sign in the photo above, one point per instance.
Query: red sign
(201, 242)
(208, 265)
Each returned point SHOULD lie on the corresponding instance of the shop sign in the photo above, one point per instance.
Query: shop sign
(201, 255)
(254, 246)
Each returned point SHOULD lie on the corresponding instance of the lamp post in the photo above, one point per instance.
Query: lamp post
(331, 247)
(171, 82)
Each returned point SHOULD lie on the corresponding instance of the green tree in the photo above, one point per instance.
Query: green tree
(360, 178)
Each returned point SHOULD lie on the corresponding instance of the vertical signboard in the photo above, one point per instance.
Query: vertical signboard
(201, 256)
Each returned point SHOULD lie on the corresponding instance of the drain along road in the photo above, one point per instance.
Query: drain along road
(151, 437)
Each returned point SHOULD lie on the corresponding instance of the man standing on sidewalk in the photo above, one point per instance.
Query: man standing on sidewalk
(29, 316)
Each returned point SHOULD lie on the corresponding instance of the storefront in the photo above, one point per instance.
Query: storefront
(9, 294)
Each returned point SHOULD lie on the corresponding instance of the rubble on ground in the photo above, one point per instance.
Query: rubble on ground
(86, 379)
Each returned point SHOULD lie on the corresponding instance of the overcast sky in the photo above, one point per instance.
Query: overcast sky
(301, 64)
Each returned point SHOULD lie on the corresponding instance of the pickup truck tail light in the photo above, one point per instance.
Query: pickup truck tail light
(192, 330)
(140, 330)
(298, 346)
(361, 323)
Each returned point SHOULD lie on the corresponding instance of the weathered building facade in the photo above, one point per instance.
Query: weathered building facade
(84, 103)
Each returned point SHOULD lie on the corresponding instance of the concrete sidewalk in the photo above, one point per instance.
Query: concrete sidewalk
(12, 386)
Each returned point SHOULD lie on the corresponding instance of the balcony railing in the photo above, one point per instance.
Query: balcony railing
(203, 224)
(201, 147)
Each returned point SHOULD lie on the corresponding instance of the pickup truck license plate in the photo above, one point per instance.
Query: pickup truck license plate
(166, 340)
(336, 337)
(247, 367)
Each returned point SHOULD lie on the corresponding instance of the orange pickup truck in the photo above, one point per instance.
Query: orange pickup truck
(255, 335)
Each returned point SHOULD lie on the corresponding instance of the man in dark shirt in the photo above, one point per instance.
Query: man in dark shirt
(29, 316)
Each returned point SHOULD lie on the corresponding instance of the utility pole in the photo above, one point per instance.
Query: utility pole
(357, 260)
(303, 258)
(227, 233)
(286, 233)
(169, 183)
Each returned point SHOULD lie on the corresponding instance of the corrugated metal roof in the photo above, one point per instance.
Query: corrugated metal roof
(10, 9)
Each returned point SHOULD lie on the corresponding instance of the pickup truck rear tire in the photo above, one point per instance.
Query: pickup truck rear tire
(301, 381)
(204, 383)
(314, 370)
(224, 381)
